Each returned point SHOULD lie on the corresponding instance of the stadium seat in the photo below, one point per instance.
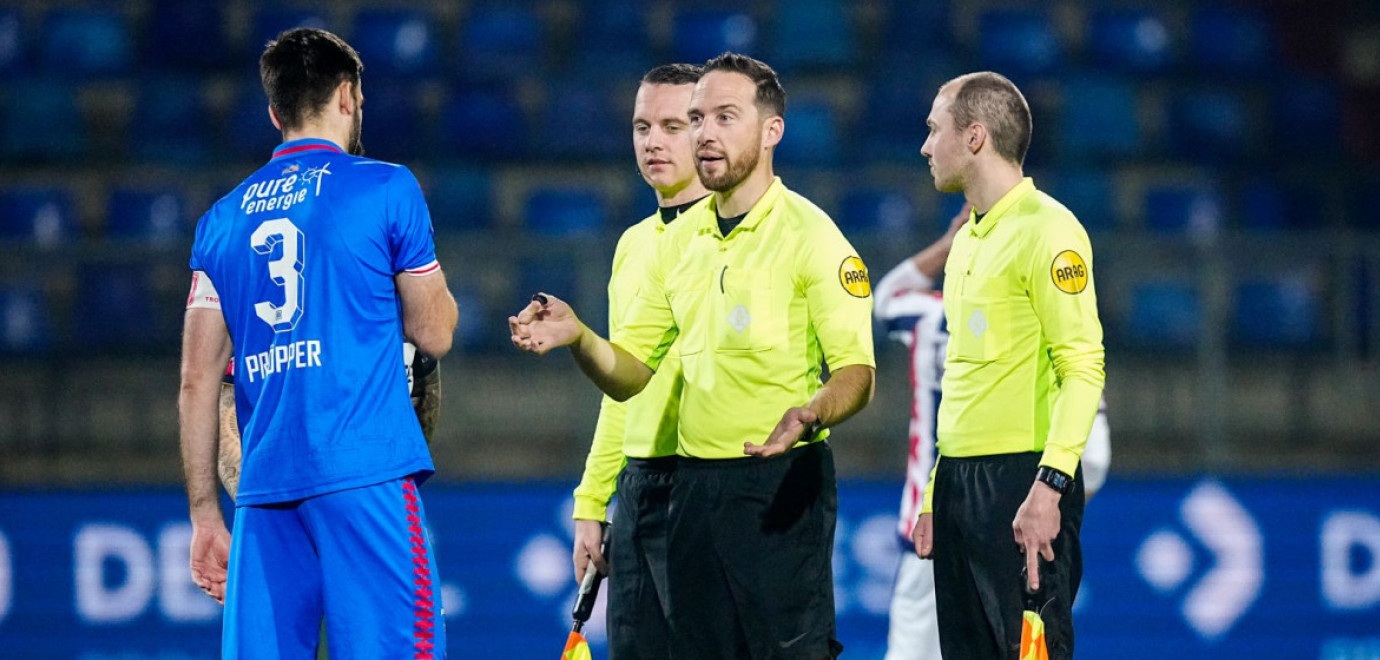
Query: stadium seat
(396, 42)
(41, 216)
(557, 275)
(814, 135)
(250, 134)
(1018, 41)
(394, 129)
(565, 212)
(699, 35)
(485, 123)
(1088, 194)
(916, 30)
(581, 121)
(186, 35)
(1099, 117)
(83, 42)
(460, 199)
(807, 34)
(1164, 314)
(171, 122)
(271, 21)
(12, 43)
(1305, 115)
(1209, 124)
(41, 122)
(1267, 204)
(25, 322)
(1275, 312)
(1195, 209)
(1231, 40)
(116, 308)
(500, 42)
(612, 42)
(157, 216)
(876, 210)
(474, 332)
(1134, 40)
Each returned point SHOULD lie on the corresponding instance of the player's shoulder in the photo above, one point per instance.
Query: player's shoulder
(391, 174)
(1050, 219)
(804, 215)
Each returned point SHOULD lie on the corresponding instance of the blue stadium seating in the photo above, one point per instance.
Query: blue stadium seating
(1164, 314)
(1018, 41)
(582, 121)
(702, 34)
(396, 42)
(41, 216)
(915, 30)
(612, 42)
(1100, 117)
(393, 127)
(808, 34)
(1192, 209)
(171, 122)
(116, 307)
(1130, 39)
(157, 216)
(1305, 116)
(25, 320)
(12, 43)
(565, 212)
(1230, 40)
(1209, 124)
(1289, 204)
(460, 199)
(877, 210)
(87, 42)
(270, 21)
(474, 330)
(812, 134)
(186, 35)
(1275, 312)
(250, 135)
(42, 122)
(484, 123)
(560, 277)
(1088, 193)
(500, 42)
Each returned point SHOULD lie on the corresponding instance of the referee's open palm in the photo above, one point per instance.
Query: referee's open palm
(545, 324)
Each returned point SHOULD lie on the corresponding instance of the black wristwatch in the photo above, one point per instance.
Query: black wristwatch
(1054, 479)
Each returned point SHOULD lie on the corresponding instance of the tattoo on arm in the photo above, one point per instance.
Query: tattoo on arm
(426, 400)
(228, 459)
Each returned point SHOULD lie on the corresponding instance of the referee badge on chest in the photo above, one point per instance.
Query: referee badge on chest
(977, 323)
(739, 318)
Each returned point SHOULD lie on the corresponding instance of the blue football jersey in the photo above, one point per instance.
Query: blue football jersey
(303, 254)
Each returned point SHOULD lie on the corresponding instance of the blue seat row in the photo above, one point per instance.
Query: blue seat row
(1266, 312)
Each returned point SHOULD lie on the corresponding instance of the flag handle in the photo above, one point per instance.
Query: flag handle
(589, 587)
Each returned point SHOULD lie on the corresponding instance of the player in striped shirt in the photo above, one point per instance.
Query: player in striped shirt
(912, 310)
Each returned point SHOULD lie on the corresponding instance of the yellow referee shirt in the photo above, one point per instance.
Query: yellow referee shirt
(754, 315)
(644, 426)
(1024, 368)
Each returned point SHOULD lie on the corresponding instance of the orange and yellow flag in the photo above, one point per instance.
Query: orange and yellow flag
(1033, 637)
(576, 648)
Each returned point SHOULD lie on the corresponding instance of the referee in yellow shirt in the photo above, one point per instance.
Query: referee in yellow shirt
(759, 291)
(641, 432)
(1023, 377)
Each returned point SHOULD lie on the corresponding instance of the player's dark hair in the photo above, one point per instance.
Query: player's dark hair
(995, 102)
(771, 96)
(302, 68)
(673, 74)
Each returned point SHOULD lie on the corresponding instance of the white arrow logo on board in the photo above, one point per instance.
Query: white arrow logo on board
(1233, 584)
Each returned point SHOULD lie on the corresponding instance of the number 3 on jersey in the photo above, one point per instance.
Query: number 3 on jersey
(286, 271)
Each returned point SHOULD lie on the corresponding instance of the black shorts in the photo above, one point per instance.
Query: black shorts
(751, 551)
(637, 625)
(977, 564)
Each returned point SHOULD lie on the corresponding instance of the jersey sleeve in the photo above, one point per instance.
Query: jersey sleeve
(410, 235)
(1062, 293)
(196, 262)
(838, 295)
(649, 328)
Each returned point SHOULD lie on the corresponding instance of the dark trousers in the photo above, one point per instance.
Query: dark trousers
(751, 551)
(977, 564)
(637, 625)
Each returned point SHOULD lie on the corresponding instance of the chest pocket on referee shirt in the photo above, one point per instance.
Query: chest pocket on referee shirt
(980, 328)
(745, 321)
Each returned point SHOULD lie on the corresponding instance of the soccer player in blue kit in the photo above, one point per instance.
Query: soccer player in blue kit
(323, 263)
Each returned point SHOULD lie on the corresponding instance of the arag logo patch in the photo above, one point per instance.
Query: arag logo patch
(1069, 272)
(853, 277)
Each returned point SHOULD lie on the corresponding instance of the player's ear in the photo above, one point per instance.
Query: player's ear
(773, 131)
(273, 117)
(345, 97)
(977, 136)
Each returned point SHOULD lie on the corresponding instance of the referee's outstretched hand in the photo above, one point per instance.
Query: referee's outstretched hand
(544, 324)
(788, 431)
(1036, 525)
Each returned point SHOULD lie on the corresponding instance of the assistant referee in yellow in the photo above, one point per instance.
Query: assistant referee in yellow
(1022, 379)
(759, 291)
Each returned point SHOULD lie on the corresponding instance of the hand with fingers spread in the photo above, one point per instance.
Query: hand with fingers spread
(792, 428)
(589, 536)
(545, 324)
(210, 557)
(1036, 526)
(923, 536)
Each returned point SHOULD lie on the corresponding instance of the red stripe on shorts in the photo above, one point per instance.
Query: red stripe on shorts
(424, 611)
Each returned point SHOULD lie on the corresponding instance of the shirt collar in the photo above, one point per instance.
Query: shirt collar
(981, 229)
(760, 210)
(304, 145)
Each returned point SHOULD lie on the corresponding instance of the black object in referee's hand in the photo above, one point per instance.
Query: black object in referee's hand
(589, 587)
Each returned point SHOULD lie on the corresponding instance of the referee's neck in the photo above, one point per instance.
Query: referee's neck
(991, 182)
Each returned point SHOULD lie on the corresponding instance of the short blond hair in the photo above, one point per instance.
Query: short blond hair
(995, 102)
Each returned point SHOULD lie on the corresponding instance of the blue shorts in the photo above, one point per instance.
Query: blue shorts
(361, 558)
